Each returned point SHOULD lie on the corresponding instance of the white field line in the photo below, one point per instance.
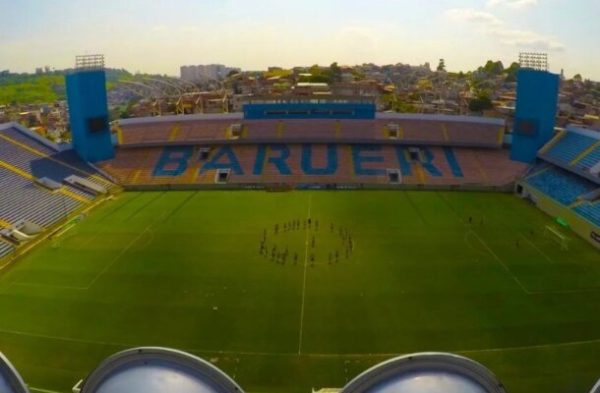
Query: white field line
(304, 280)
(7, 287)
(565, 291)
(515, 279)
(115, 259)
(35, 285)
(318, 355)
(542, 253)
(41, 390)
(123, 251)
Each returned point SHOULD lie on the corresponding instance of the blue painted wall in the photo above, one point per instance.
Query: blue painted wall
(309, 111)
(537, 99)
(88, 114)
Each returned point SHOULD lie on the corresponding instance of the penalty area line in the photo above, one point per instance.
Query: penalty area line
(510, 273)
(123, 252)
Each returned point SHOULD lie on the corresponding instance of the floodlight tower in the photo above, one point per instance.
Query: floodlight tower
(88, 109)
(537, 100)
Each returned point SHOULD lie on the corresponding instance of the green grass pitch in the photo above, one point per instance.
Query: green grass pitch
(186, 270)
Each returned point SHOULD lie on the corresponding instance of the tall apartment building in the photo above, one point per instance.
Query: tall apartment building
(195, 73)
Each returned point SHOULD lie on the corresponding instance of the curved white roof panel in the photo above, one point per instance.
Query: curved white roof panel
(426, 373)
(157, 370)
(10, 380)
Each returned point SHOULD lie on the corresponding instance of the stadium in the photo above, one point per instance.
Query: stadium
(297, 244)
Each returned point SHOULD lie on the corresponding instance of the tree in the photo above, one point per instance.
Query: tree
(511, 72)
(493, 67)
(441, 65)
(335, 72)
(577, 78)
(480, 103)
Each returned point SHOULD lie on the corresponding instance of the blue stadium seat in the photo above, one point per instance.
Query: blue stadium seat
(20, 199)
(561, 185)
(590, 211)
(590, 159)
(569, 147)
(5, 249)
(55, 166)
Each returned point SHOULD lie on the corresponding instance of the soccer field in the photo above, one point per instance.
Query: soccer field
(382, 274)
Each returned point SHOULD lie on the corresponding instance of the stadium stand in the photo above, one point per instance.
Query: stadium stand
(590, 211)
(5, 248)
(23, 200)
(31, 156)
(41, 184)
(576, 150)
(590, 160)
(217, 129)
(303, 164)
(560, 184)
(571, 145)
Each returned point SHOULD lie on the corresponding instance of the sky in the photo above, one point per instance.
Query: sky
(158, 36)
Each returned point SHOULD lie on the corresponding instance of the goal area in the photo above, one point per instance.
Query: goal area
(555, 235)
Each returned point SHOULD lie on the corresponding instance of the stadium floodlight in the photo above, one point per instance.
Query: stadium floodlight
(156, 370)
(89, 62)
(10, 380)
(430, 372)
(534, 60)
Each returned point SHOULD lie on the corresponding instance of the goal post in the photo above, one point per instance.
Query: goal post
(556, 236)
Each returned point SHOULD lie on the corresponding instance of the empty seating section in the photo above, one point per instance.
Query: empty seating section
(560, 185)
(262, 129)
(357, 129)
(590, 211)
(145, 133)
(39, 160)
(589, 160)
(299, 129)
(464, 132)
(569, 147)
(21, 199)
(423, 131)
(20, 137)
(35, 165)
(208, 130)
(299, 164)
(23, 160)
(5, 248)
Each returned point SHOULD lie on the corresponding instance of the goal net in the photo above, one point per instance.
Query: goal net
(556, 236)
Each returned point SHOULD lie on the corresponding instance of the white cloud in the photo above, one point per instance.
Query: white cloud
(471, 15)
(514, 4)
(525, 38)
(496, 28)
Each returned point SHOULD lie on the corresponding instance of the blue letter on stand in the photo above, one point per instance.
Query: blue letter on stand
(173, 161)
(279, 162)
(359, 160)
(231, 163)
(332, 161)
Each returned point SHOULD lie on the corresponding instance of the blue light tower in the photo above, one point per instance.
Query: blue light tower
(88, 109)
(537, 100)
